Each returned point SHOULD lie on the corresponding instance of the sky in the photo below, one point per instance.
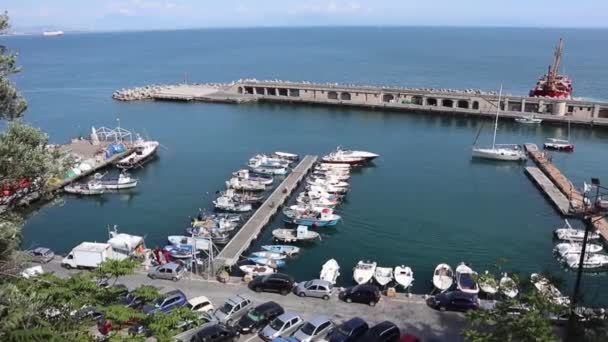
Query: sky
(111, 15)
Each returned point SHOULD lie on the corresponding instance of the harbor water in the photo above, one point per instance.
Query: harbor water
(424, 201)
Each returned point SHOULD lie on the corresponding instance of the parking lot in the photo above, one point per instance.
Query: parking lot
(411, 314)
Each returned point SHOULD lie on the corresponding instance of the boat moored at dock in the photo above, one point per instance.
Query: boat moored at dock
(89, 188)
(145, 150)
(443, 277)
(364, 271)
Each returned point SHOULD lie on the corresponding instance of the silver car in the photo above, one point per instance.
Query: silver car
(314, 330)
(283, 325)
(314, 288)
(169, 270)
(41, 255)
(233, 309)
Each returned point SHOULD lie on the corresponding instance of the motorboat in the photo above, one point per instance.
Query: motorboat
(93, 187)
(465, 279)
(338, 158)
(327, 182)
(367, 156)
(507, 286)
(286, 156)
(503, 152)
(244, 184)
(274, 263)
(316, 192)
(383, 275)
(144, 151)
(179, 251)
(245, 174)
(306, 208)
(566, 248)
(544, 286)
(301, 233)
(528, 120)
(228, 204)
(559, 144)
(124, 181)
(576, 235)
(268, 255)
(487, 283)
(328, 188)
(330, 271)
(364, 271)
(257, 270)
(261, 160)
(197, 242)
(222, 224)
(217, 237)
(324, 175)
(269, 170)
(305, 199)
(590, 261)
(443, 277)
(283, 249)
(404, 276)
(215, 218)
(332, 166)
(324, 218)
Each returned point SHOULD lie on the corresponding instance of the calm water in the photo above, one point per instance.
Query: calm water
(423, 202)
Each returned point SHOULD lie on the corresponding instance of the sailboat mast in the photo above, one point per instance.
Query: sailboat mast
(496, 122)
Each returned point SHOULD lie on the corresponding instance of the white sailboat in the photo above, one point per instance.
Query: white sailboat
(502, 152)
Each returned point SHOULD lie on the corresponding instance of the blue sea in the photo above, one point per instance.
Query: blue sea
(423, 202)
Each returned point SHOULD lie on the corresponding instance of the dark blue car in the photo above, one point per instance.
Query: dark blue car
(171, 300)
(455, 301)
(348, 331)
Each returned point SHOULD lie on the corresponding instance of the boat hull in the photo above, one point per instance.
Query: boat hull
(483, 153)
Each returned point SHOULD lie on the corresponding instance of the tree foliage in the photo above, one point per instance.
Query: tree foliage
(12, 104)
(111, 270)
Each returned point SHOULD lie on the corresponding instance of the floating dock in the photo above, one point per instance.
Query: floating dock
(231, 253)
(560, 182)
(468, 102)
(553, 193)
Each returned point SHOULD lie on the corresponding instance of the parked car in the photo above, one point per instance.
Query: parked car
(41, 255)
(200, 304)
(259, 316)
(314, 288)
(284, 325)
(170, 270)
(454, 300)
(233, 309)
(133, 301)
(276, 282)
(286, 339)
(216, 333)
(171, 300)
(382, 332)
(364, 293)
(348, 331)
(315, 329)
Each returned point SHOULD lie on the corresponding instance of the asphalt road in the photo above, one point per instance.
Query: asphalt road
(411, 314)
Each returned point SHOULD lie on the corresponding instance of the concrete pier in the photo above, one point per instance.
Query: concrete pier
(467, 102)
(231, 253)
(559, 200)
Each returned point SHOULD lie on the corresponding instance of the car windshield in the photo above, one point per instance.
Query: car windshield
(254, 315)
(308, 329)
(158, 302)
(178, 269)
(307, 284)
(277, 324)
(344, 330)
(226, 308)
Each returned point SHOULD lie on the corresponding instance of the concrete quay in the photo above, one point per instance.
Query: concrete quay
(411, 314)
(445, 101)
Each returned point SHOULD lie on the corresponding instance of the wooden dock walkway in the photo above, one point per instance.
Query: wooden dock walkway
(231, 253)
(560, 201)
(561, 182)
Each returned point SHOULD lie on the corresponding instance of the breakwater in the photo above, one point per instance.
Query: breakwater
(468, 102)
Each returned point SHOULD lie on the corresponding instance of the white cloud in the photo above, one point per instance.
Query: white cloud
(331, 7)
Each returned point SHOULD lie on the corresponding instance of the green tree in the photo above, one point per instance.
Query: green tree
(110, 270)
(12, 104)
(165, 326)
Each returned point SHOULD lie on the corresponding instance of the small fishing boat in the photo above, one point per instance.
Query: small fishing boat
(304, 199)
(465, 281)
(383, 275)
(576, 235)
(528, 120)
(332, 166)
(124, 181)
(222, 225)
(203, 219)
(270, 170)
(507, 286)
(274, 263)
(216, 236)
(286, 156)
(244, 184)
(256, 177)
(326, 182)
(256, 270)
(197, 242)
(228, 204)
(488, 284)
(330, 271)
(324, 175)
(292, 235)
(559, 144)
(261, 160)
(324, 218)
(566, 248)
(144, 151)
(328, 188)
(544, 286)
(283, 249)
(364, 271)
(90, 188)
(268, 255)
(590, 261)
(404, 276)
(443, 277)
(179, 251)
